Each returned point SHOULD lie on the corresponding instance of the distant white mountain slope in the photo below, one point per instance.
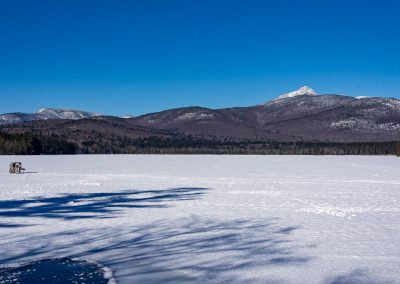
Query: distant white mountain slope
(53, 113)
(44, 114)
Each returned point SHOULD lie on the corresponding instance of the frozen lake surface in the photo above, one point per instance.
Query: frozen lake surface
(196, 219)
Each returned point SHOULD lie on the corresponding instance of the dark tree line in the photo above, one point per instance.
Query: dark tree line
(35, 144)
(30, 144)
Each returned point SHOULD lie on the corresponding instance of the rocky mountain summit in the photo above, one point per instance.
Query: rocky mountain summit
(303, 91)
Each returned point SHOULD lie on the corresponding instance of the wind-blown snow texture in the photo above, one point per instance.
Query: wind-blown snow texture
(196, 219)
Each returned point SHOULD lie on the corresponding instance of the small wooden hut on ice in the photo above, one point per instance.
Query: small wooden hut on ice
(16, 168)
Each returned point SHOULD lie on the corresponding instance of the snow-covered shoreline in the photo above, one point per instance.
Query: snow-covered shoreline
(187, 219)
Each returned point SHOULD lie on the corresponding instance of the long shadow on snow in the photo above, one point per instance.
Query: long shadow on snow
(168, 251)
(95, 205)
(360, 276)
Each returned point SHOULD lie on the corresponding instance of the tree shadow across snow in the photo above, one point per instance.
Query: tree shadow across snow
(193, 249)
(95, 205)
(359, 276)
(60, 271)
(12, 225)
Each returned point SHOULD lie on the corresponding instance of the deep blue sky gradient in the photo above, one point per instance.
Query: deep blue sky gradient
(134, 57)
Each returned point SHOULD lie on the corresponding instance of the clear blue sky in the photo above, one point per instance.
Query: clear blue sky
(134, 57)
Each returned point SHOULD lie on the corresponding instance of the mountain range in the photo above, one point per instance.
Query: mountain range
(45, 114)
(301, 115)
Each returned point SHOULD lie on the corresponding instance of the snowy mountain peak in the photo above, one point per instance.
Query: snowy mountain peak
(41, 110)
(300, 92)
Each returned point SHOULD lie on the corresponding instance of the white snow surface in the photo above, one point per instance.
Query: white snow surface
(215, 219)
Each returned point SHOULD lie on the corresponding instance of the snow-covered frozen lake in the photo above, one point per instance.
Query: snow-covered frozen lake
(196, 219)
